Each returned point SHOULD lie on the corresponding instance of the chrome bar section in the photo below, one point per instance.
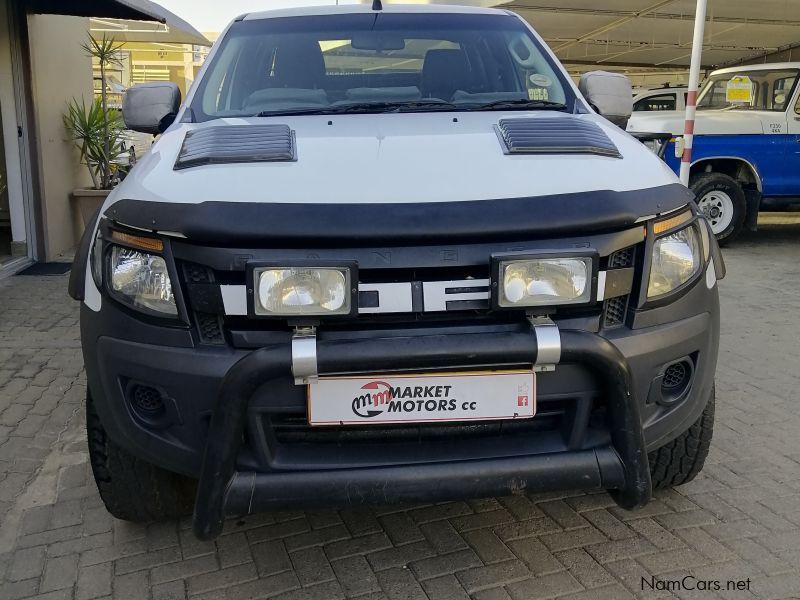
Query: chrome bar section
(548, 341)
(304, 356)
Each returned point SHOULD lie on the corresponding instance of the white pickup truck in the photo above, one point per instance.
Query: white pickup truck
(746, 147)
(392, 255)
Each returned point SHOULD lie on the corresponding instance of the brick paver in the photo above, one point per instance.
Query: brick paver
(740, 519)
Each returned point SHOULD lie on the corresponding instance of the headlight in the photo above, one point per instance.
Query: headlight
(676, 259)
(544, 282)
(302, 291)
(141, 280)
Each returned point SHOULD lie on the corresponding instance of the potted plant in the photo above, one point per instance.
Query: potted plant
(98, 134)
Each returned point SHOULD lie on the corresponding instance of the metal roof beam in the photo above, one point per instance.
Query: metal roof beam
(632, 46)
(636, 65)
(617, 23)
(592, 12)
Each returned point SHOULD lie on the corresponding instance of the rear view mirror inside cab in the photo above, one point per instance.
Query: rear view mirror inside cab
(377, 42)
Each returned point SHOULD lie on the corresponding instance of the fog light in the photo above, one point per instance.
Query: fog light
(545, 282)
(302, 291)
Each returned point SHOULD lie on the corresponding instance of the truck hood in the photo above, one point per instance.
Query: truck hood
(707, 122)
(391, 158)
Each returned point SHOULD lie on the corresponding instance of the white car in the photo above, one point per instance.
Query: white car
(661, 100)
(392, 255)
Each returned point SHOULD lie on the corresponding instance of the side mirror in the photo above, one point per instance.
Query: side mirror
(151, 107)
(610, 94)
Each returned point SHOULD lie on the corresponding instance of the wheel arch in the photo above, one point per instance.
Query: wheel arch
(740, 169)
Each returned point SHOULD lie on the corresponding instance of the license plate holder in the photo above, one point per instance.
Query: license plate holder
(422, 398)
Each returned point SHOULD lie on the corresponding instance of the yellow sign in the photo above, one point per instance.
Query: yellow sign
(739, 90)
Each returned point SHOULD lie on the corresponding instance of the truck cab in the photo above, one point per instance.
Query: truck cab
(392, 254)
(746, 151)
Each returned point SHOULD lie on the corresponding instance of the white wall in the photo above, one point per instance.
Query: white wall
(61, 70)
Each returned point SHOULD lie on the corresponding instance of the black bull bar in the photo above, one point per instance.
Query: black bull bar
(622, 468)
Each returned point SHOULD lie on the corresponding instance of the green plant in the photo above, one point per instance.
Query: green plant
(98, 135)
(96, 129)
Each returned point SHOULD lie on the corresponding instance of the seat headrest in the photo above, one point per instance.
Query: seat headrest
(299, 64)
(444, 72)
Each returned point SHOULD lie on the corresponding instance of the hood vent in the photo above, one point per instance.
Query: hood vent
(554, 135)
(237, 144)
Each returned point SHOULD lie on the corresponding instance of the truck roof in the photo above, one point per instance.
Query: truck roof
(759, 67)
(367, 8)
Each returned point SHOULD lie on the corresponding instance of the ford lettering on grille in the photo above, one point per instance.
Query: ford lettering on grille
(427, 296)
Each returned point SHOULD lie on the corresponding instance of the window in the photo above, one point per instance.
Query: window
(763, 90)
(660, 102)
(318, 63)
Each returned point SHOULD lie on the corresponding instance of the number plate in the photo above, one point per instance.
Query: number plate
(427, 398)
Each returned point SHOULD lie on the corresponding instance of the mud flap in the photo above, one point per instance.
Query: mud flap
(753, 199)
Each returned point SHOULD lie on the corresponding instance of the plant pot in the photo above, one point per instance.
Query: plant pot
(88, 201)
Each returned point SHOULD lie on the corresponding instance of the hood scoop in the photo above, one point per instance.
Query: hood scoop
(554, 135)
(237, 144)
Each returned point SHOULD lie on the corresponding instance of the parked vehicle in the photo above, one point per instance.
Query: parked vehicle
(746, 151)
(663, 99)
(362, 265)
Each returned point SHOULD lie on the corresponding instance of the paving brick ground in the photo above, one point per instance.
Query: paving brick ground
(740, 519)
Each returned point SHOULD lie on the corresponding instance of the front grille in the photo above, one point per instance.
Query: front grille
(282, 438)
(296, 430)
(196, 273)
(622, 258)
(209, 327)
(614, 309)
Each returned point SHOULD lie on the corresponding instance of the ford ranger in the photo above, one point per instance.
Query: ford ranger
(392, 254)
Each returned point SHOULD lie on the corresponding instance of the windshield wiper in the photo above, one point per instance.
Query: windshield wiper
(366, 107)
(521, 104)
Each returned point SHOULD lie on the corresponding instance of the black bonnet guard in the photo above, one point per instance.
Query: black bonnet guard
(309, 225)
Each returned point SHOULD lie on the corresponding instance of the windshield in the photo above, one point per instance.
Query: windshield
(749, 90)
(383, 61)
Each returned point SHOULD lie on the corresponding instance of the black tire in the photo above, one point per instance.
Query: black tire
(708, 182)
(680, 461)
(131, 488)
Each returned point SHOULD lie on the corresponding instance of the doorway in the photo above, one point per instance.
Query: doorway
(15, 221)
(5, 205)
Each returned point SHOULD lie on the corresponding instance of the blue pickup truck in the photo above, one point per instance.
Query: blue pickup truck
(747, 143)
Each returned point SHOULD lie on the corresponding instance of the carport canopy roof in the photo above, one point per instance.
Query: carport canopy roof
(163, 25)
(658, 33)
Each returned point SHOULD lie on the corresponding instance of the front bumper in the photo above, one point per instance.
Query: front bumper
(622, 467)
(219, 395)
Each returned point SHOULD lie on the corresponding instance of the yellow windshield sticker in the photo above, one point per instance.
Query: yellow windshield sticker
(739, 90)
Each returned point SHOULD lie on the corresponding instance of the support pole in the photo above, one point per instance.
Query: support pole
(691, 97)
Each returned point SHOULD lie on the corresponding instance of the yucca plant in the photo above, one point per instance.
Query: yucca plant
(96, 129)
(98, 135)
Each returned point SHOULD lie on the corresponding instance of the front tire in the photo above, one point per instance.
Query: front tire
(133, 489)
(680, 460)
(721, 199)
